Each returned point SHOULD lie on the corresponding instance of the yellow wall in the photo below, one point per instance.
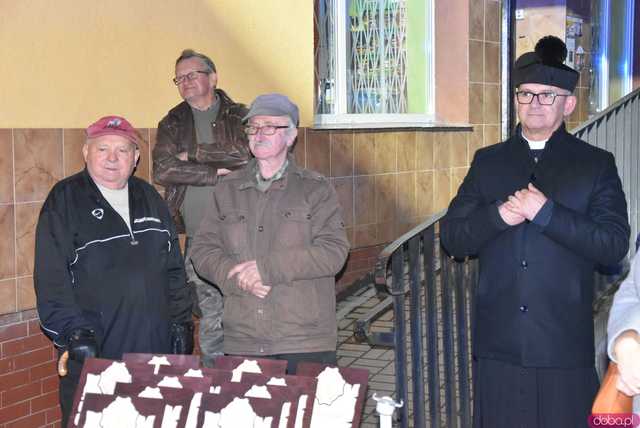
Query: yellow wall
(63, 63)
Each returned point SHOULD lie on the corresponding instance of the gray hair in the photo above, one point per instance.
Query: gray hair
(190, 53)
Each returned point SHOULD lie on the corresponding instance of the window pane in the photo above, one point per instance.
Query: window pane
(324, 56)
(372, 57)
(378, 76)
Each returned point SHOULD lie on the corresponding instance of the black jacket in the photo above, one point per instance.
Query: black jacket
(535, 291)
(91, 271)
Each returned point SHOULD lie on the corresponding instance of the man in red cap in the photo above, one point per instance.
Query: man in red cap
(108, 274)
(541, 211)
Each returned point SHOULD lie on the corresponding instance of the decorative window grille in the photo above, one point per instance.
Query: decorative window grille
(363, 54)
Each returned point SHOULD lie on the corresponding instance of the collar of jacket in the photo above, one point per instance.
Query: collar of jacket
(248, 179)
(96, 195)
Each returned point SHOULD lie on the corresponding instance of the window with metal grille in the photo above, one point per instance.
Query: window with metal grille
(373, 61)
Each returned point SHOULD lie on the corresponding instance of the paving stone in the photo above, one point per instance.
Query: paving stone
(348, 353)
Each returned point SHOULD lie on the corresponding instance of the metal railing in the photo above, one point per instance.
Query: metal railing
(432, 298)
(432, 295)
(617, 129)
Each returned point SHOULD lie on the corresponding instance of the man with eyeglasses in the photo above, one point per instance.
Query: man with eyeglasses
(273, 239)
(541, 211)
(199, 140)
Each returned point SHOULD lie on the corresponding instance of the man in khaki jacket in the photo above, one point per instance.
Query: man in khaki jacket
(273, 240)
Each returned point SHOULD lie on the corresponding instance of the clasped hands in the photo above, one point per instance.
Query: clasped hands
(522, 205)
(249, 279)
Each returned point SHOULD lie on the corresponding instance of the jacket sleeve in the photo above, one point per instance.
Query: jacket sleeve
(179, 296)
(208, 255)
(57, 307)
(470, 221)
(203, 160)
(625, 311)
(169, 170)
(324, 257)
(602, 234)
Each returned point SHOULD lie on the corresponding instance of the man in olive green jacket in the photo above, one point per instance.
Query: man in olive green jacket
(273, 240)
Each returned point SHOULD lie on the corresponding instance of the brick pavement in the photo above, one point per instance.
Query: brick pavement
(378, 360)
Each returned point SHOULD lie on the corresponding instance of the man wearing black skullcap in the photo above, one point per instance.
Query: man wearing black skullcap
(541, 211)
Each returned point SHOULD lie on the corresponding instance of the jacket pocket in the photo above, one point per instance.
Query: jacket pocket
(234, 230)
(295, 227)
(296, 307)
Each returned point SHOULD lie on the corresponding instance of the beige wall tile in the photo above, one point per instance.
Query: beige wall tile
(476, 141)
(492, 104)
(406, 151)
(364, 153)
(8, 242)
(492, 62)
(8, 296)
(442, 189)
(300, 148)
(407, 195)
(476, 19)
(365, 199)
(386, 195)
(458, 148)
(386, 232)
(386, 152)
(405, 225)
(476, 103)
(341, 154)
(476, 61)
(6, 167)
(424, 149)
(492, 135)
(350, 236)
(442, 150)
(457, 177)
(424, 193)
(26, 220)
(73, 141)
(38, 162)
(143, 170)
(318, 151)
(26, 293)
(492, 21)
(365, 236)
(344, 189)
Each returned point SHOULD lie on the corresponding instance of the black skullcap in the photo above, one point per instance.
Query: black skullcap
(545, 66)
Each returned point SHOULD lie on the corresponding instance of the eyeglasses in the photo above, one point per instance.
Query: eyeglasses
(189, 76)
(544, 98)
(265, 130)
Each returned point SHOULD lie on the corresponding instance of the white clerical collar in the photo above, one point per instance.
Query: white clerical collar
(535, 145)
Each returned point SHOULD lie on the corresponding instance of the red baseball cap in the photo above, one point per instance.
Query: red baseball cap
(113, 125)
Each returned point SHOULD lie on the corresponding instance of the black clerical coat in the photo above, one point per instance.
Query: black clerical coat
(535, 290)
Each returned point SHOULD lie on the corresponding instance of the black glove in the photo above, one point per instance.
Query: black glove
(82, 344)
(182, 338)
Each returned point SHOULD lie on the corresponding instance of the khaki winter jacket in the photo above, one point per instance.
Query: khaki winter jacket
(296, 234)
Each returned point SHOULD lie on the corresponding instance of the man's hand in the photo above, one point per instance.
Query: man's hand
(223, 171)
(81, 344)
(508, 214)
(527, 202)
(627, 351)
(249, 279)
(183, 156)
